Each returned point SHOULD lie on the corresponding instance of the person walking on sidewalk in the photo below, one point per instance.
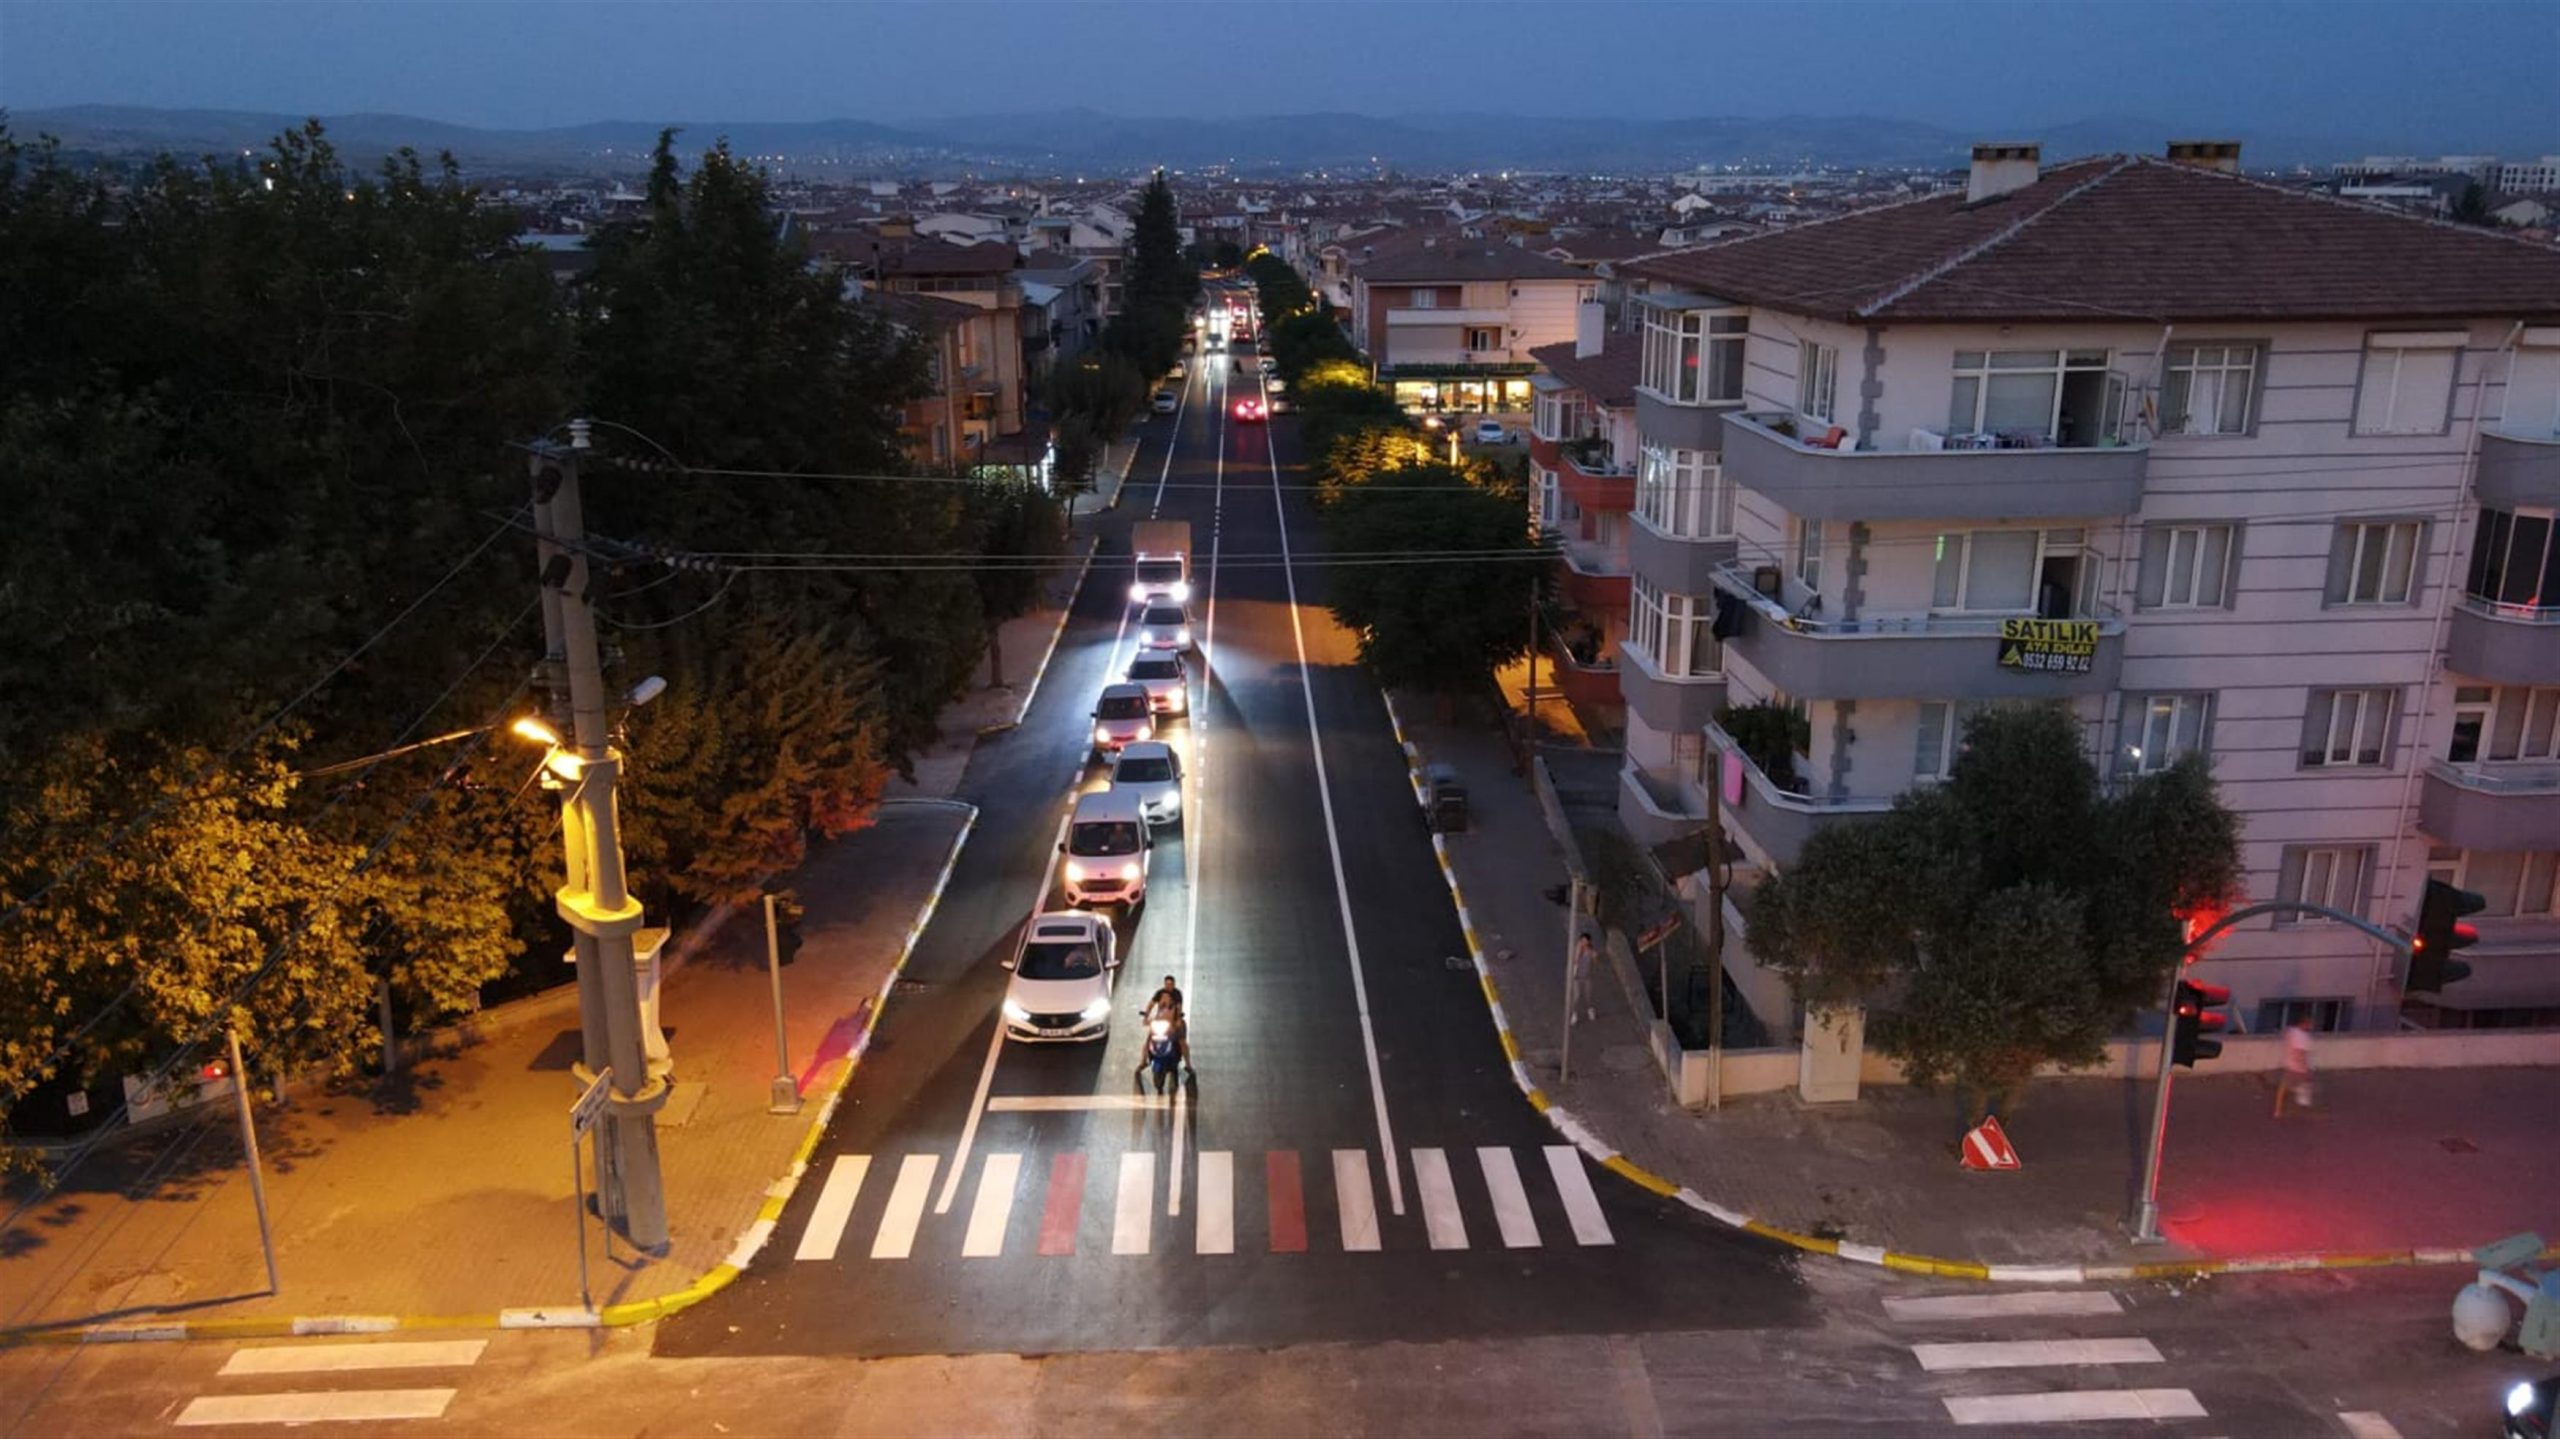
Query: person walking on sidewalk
(2297, 1065)
(1578, 981)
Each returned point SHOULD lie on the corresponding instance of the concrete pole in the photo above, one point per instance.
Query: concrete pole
(1715, 935)
(786, 1090)
(596, 901)
(1572, 936)
(249, 1148)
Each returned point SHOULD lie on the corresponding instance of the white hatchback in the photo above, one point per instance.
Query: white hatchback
(1150, 773)
(1164, 627)
(1062, 978)
(1123, 715)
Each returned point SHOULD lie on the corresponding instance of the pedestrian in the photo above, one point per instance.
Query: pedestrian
(2297, 1065)
(1578, 980)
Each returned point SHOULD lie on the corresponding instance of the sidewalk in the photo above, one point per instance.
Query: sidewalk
(2393, 1160)
(447, 1191)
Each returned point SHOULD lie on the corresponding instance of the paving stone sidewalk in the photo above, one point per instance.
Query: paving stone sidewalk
(2392, 1159)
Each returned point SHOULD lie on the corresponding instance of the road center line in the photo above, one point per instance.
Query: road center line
(1173, 1178)
(1333, 843)
(1182, 398)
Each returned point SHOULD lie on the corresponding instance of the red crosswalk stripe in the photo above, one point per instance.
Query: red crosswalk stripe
(1066, 1204)
(1288, 1202)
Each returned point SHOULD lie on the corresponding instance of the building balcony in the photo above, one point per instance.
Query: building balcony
(2519, 469)
(1934, 656)
(2503, 643)
(1481, 315)
(1666, 704)
(1542, 451)
(1931, 477)
(1771, 819)
(1594, 478)
(1590, 685)
(2491, 806)
(1657, 808)
(1675, 564)
(1594, 579)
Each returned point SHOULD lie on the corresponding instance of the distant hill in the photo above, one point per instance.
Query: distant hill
(1054, 140)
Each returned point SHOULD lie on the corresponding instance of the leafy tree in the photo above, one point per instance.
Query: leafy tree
(1010, 526)
(1439, 621)
(1159, 285)
(1094, 400)
(2013, 917)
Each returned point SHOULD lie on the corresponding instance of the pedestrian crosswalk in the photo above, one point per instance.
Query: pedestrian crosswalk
(1138, 1203)
(314, 1365)
(2015, 1361)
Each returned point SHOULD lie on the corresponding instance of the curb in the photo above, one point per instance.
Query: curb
(567, 1316)
(1065, 612)
(1573, 1129)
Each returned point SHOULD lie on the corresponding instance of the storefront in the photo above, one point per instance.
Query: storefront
(1464, 389)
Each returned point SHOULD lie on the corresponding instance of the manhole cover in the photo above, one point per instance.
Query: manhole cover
(2458, 1145)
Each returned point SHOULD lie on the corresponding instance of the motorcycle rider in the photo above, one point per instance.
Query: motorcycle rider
(1165, 1005)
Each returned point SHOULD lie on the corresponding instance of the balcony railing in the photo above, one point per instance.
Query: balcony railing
(1926, 474)
(1735, 577)
(2502, 777)
(2497, 609)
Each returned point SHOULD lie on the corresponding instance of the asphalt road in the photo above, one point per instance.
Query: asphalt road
(1352, 1162)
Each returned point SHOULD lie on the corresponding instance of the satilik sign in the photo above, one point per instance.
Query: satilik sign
(2053, 647)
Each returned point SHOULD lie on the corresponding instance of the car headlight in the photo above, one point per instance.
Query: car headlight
(1098, 1009)
(1147, 731)
(1014, 1011)
(1101, 733)
(1075, 872)
(1181, 700)
(1182, 636)
(2520, 1399)
(1182, 592)
(1130, 870)
(1137, 592)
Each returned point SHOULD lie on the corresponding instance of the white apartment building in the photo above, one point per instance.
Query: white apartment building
(1450, 323)
(2218, 465)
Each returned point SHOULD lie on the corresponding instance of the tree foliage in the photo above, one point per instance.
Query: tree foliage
(2014, 917)
(1455, 605)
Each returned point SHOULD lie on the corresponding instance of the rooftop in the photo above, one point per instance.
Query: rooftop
(1609, 377)
(2126, 236)
(940, 257)
(1464, 260)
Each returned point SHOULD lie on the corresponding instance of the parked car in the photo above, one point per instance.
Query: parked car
(1280, 404)
(1166, 402)
(1150, 772)
(1180, 371)
(1270, 366)
(1121, 716)
(1161, 627)
(1063, 974)
(1492, 432)
(1161, 674)
(1105, 851)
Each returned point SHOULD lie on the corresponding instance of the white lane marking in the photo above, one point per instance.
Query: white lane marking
(358, 1405)
(1181, 400)
(1070, 1103)
(1448, 1229)
(1173, 1176)
(998, 1178)
(339, 1358)
(2042, 1303)
(2075, 1407)
(1510, 1201)
(897, 1236)
(995, 1042)
(1130, 1219)
(2365, 1424)
(1352, 1197)
(1216, 1211)
(1573, 1185)
(1333, 844)
(2033, 1353)
(835, 1205)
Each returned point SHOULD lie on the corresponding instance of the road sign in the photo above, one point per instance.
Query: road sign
(1986, 1146)
(590, 1105)
(2057, 647)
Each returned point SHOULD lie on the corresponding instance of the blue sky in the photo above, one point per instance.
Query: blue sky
(2437, 73)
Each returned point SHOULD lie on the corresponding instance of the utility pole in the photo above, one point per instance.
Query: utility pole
(596, 899)
(1715, 937)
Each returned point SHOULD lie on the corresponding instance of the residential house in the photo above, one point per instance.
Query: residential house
(1062, 311)
(1582, 452)
(1450, 324)
(988, 372)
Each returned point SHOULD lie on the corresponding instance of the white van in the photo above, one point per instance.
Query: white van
(1106, 851)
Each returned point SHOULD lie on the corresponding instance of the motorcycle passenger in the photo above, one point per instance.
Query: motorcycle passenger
(1165, 1006)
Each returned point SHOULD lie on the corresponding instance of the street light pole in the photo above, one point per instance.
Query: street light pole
(596, 899)
(786, 1090)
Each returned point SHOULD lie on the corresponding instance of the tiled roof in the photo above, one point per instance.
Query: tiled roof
(939, 257)
(1609, 377)
(1464, 260)
(929, 313)
(2124, 236)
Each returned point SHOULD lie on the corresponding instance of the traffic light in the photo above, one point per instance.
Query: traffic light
(2193, 1019)
(2441, 932)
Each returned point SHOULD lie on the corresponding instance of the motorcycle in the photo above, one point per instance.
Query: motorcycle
(1164, 1053)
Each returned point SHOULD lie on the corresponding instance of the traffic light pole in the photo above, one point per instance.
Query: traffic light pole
(2146, 1210)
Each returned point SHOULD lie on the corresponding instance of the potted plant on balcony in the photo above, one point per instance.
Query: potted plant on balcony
(1591, 452)
(1769, 736)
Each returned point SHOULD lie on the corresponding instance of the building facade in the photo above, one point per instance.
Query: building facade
(2217, 466)
(1582, 472)
(1449, 324)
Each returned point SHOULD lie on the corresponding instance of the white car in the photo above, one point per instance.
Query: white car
(1150, 773)
(1105, 851)
(1062, 978)
(1161, 673)
(1164, 627)
(1122, 716)
(1166, 402)
(1492, 432)
(1270, 366)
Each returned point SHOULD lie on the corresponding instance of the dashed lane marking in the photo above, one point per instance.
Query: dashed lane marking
(2038, 1303)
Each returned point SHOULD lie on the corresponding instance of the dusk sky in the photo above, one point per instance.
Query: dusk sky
(2478, 74)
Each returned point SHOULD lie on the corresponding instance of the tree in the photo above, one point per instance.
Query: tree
(1454, 605)
(1158, 284)
(2012, 918)
(1012, 526)
(2471, 207)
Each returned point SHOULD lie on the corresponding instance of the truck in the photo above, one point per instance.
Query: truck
(1162, 550)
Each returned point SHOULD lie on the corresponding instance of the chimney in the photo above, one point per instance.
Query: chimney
(1590, 322)
(1999, 169)
(2222, 155)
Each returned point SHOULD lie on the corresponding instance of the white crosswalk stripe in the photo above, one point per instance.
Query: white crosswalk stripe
(1215, 1209)
(2075, 1406)
(1581, 1206)
(1131, 1226)
(897, 1236)
(834, 1207)
(340, 1358)
(1353, 1197)
(2040, 1303)
(1440, 1216)
(997, 1180)
(2034, 1353)
(2038, 1311)
(314, 1407)
(318, 1406)
(1510, 1201)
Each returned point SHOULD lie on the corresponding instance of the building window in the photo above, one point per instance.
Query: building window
(1550, 514)
(1679, 494)
(2329, 874)
(2017, 572)
(1484, 337)
(2348, 728)
(2516, 883)
(1817, 380)
(2159, 729)
(2187, 567)
(2407, 384)
(2504, 722)
(1558, 415)
(2210, 390)
(1675, 633)
(1809, 554)
(2373, 562)
(1694, 357)
(2514, 562)
(1422, 298)
(2000, 392)
(2329, 1016)
(1941, 740)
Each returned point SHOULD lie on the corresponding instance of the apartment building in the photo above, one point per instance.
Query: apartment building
(987, 371)
(1450, 323)
(2219, 466)
(1582, 449)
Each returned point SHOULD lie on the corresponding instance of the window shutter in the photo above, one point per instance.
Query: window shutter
(2155, 567)
(2342, 551)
